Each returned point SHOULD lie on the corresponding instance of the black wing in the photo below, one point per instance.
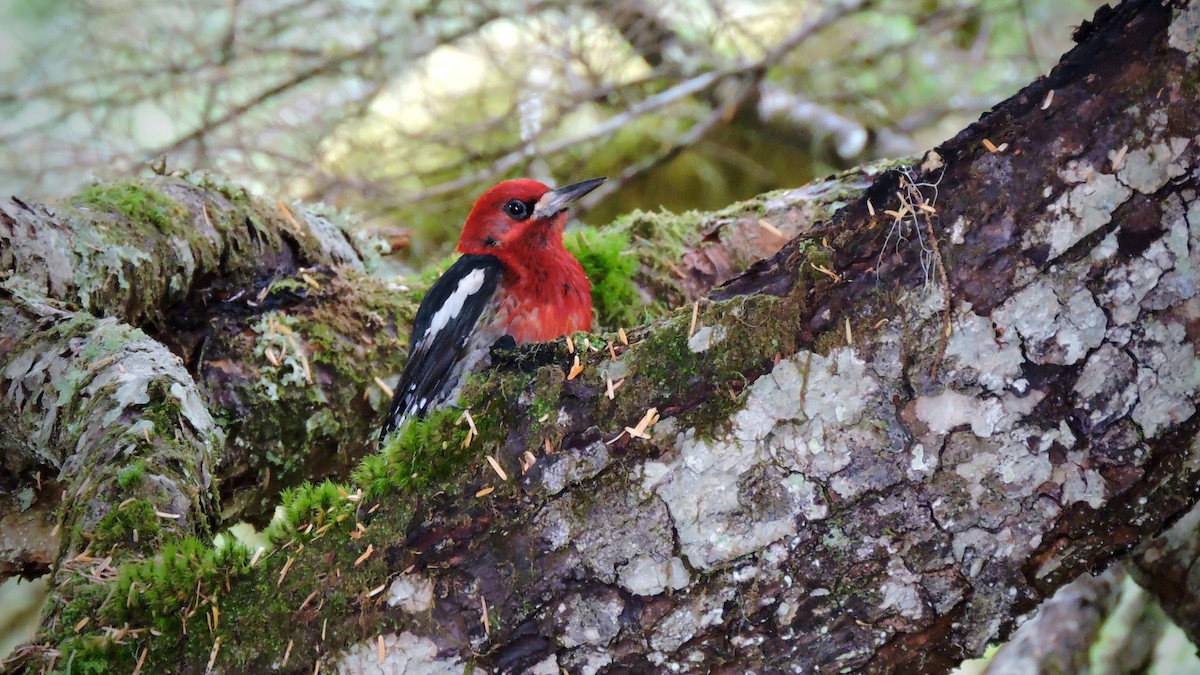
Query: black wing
(441, 333)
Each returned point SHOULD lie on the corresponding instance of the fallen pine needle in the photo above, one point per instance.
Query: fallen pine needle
(613, 386)
(383, 385)
(164, 514)
(283, 573)
(527, 461)
(826, 271)
(870, 208)
(695, 315)
(487, 620)
(485, 492)
(307, 600)
(287, 215)
(1118, 157)
(991, 147)
(141, 660)
(646, 422)
(82, 622)
(576, 369)
(762, 222)
(849, 335)
(287, 653)
(212, 657)
(496, 467)
(612, 352)
(376, 591)
(382, 650)
(466, 415)
(366, 554)
(257, 554)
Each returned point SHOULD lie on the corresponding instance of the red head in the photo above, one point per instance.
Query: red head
(519, 217)
(545, 291)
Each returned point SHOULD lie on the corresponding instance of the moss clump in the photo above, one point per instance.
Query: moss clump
(308, 503)
(135, 202)
(133, 526)
(156, 590)
(705, 386)
(610, 266)
(163, 410)
(131, 475)
(423, 452)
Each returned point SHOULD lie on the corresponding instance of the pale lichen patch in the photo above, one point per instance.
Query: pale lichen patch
(900, 591)
(1184, 32)
(1167, 378)
(547, 666)
(621, 536)
(706, 337)
(1054, 329)
(411, 592)
(807, 496)
(1148, 169)
(645, 575)
(1080, 484)
(974, 348)
(404, 654)
(1106, 389)
(948, 410)
(565, 469)
(685, 621)
(589, 621)
(727, 496)
(1079, 211)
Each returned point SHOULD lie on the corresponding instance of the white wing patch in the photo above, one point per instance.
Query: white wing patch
(467, 286)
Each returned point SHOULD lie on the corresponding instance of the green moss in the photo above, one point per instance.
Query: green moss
(134, 201)
(705, 386)
(610, 267)
(131, 475)
(135, 519)
(425, 451)
(163, 410)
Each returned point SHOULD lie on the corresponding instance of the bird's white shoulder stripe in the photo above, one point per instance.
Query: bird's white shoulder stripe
(467, 286)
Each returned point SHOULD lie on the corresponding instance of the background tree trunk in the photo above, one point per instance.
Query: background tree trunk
(874, 450)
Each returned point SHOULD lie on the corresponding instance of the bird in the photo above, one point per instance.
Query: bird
(514, 282)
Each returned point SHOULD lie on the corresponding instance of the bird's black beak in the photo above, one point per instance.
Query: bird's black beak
(555, 201)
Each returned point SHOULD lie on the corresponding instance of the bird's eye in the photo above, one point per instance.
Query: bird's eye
(517, 209)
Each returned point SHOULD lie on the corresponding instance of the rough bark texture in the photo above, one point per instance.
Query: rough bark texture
(877, 448)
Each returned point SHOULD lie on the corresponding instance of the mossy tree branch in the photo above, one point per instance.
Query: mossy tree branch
(836, 482)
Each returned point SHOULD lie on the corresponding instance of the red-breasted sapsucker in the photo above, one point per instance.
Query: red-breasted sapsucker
(514, 279)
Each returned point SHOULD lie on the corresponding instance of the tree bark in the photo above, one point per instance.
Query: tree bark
(877, 448)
